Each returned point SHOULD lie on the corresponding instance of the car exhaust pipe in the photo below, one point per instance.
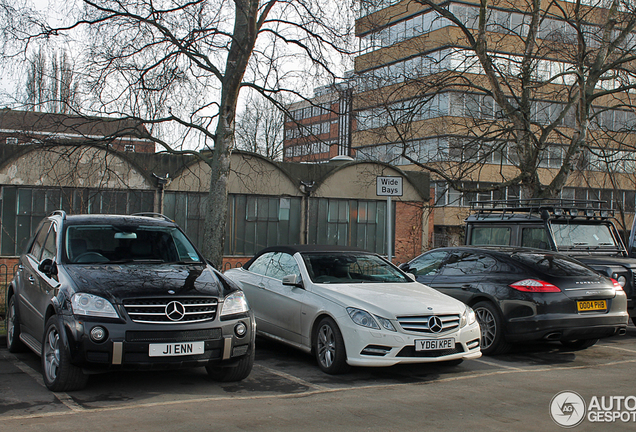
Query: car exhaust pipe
(622, 332)
(552, 336)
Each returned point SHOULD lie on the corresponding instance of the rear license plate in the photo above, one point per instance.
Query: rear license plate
(591, 305)
(176, 349)
(434, 344)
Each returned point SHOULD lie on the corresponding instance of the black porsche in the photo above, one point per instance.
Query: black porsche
(521, 294)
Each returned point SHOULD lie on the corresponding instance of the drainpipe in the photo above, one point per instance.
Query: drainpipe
(305, 187)
(161, 183)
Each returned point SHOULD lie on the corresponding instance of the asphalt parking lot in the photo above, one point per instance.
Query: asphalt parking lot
(287, 392)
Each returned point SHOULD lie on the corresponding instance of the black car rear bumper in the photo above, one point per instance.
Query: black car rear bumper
(566, 327)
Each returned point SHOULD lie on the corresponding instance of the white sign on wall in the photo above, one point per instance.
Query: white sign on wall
(388, 186)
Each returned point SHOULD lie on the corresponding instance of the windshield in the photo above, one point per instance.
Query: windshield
(581, 235)
(351, 267)
(85, 244)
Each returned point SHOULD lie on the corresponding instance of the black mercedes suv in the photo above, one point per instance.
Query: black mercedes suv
(110, 292)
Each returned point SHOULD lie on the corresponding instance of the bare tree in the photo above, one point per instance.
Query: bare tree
(51, 87)
(259, 128)
(181, 65)
(528, 91)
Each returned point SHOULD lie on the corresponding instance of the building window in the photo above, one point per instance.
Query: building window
(129, 147)
(24, 207)
(12, 140)
(255, 222)
(345, 222)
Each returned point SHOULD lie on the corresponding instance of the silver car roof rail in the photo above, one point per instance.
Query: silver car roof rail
(154, 215)
(59, 212)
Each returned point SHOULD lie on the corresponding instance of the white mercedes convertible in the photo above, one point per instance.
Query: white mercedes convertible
(350, 307)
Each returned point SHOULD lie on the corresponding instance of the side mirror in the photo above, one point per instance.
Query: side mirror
(48, 267)
(404, 267)
(412, 276)
(292, 280)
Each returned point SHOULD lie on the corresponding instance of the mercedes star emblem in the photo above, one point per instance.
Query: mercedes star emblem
(175, 311)
(435, 324)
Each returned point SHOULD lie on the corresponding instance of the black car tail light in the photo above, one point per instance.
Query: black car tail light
(534, 285)
(617, 285)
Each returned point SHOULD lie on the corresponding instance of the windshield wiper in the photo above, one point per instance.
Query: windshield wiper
(137, 260)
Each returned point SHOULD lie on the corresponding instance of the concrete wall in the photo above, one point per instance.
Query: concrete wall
(71, 166)
(93, 167)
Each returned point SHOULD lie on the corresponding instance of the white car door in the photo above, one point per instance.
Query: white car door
(254, 288)
(284, 303)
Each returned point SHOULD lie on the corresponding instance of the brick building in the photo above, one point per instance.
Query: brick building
(419, 87)
(29, 127)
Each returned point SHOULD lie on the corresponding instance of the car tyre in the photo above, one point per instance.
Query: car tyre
(493, 341)
(58, 372)
(578, 344)
(329, 348)
(14, 344)
(238, 372)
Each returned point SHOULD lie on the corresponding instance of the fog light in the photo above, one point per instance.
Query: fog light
(240, 329)
(98, 334)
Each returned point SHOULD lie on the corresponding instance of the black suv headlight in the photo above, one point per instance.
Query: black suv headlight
(92, 305)
(235, 303)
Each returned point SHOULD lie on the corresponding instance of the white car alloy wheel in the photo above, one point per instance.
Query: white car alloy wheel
(326, 346)
(329, 348)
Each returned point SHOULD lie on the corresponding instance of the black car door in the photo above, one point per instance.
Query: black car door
(47, 283)
(30, 316)
(462, 272)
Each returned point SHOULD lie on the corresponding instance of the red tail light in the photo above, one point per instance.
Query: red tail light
(534, 285)
(617, 286)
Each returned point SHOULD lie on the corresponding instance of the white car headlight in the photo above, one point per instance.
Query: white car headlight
(362, 318)
(235, 303)
(468, 317)
(92, 305)
(385, 323)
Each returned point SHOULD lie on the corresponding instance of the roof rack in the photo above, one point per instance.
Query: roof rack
(554, 207)
(154, 215)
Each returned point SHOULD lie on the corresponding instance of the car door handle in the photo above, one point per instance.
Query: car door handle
(31, 279)
(466, 287)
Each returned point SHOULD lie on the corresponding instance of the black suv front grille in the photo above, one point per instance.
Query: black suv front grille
(173, 336)
(171, 310)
